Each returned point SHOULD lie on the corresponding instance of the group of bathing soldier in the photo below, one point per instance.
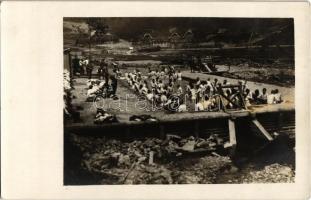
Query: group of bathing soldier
(165, 88)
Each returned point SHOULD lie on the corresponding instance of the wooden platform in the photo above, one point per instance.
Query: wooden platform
(263, 119)
(89, 110)
(189, 117)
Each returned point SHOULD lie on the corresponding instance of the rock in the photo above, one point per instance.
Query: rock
(179, 154)
(142, 158)
(137, 153)
(212, 144)
(233, 169)
(115, 154)
(189, 146)
(175, 138)
(124, 160)
(203, 144)
(285, 170)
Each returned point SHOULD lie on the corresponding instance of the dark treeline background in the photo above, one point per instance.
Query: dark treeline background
(239, 29)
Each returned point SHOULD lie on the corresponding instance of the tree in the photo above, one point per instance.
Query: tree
(97, 24)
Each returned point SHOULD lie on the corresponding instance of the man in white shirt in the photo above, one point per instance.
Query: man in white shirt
(207, 103)
(193, 92)
(149, 95)
(92, 91)
(182, 108)
(163, 98)
(179, 90)
(179, 76)
(198, 107)
(278, 96)
(263, 96)
(271, 98)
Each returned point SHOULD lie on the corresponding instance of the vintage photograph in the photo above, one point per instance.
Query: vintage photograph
(178, 100)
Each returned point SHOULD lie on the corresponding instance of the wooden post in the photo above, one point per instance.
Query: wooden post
(232, 135)
(232, 132)
(151, 153)
(262, 129)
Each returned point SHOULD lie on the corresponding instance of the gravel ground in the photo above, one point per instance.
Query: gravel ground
(120, 162)
(272, 173)
(109, 161)
(274, 164)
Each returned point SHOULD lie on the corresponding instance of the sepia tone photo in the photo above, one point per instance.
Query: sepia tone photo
(178, 100)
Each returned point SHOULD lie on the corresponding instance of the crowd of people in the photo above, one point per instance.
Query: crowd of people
(158, 86)
(105, 85)
(85, 66)
(165, 88)
(69, 112)
(82, 66)
(67, 93)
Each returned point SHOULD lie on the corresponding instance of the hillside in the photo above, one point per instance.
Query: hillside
(235, 31)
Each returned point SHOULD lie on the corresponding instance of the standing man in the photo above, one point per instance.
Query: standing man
(89, 69)
(75, 64)
(81, 66)
(264, 96)
(101, 69)
(114, 84)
